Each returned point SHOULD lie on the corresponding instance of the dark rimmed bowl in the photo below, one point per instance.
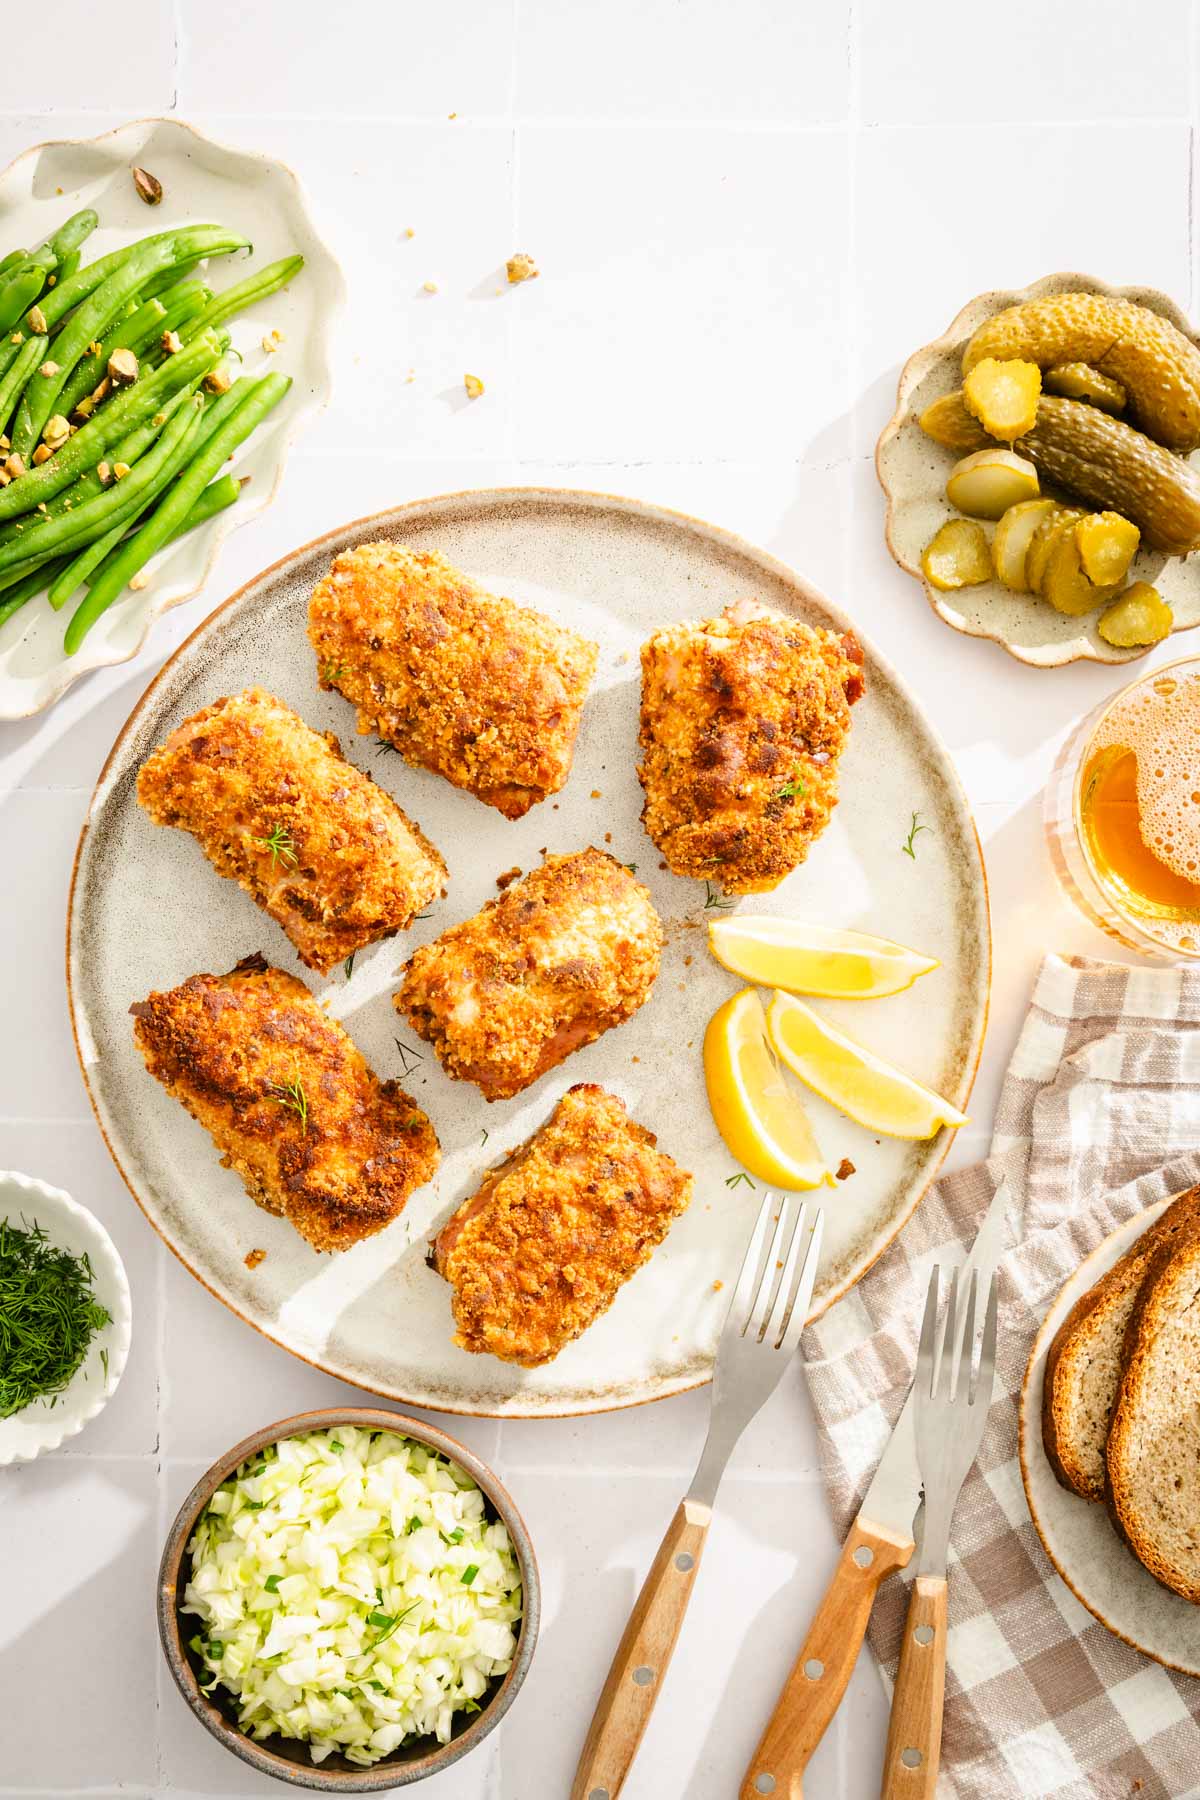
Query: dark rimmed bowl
(284, 1758)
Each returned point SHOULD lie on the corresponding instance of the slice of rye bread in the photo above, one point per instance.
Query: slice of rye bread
(1083, 1364)
(1152, 1460)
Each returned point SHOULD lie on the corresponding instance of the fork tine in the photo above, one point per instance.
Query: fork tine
(964, 1386)
(753, 1264)
(945, 1372)
(782, 1285)
(800, 1295)
(769, 1278)
(987, 1355)
(927, 1350)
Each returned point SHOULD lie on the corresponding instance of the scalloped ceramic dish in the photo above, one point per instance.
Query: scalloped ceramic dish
(70, 1227)
(913, 469)
(1077, 1534)
(202, 181)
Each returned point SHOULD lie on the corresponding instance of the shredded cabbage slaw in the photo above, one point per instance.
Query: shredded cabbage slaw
(353, 1591)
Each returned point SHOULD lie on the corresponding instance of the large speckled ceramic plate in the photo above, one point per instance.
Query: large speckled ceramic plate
(147, 911)
(913, 470)
(1078, 1536)
(202, 181)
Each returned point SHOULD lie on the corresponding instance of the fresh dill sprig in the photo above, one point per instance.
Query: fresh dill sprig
(407, 1051)
(348, 965)
(483, 1140)
(48, 1317)
(732, 1181)
(333, 671)
(292, 1095)
(713, 899)
(792, 790)
(385, 748)
(279, 842)
(908, 847)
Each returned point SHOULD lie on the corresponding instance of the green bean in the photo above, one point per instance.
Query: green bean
(8, 349)
(122, 413)
(19, 370)
(15, 596)
(157, 531)
(11, 260)
(72, 233)
(19, 293)
(255, 287)
(159, 284)
(102, 306)
(136, 331)
(123, 500)
(66, 268)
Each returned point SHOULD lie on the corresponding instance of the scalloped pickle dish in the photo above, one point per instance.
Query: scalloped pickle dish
(913, 471)
(201, 181)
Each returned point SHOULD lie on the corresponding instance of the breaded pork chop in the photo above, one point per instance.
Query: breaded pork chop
(541, 1250)
(484, 692)
(277, 808)
(743, 720)
(289, 1101)
(554, 961)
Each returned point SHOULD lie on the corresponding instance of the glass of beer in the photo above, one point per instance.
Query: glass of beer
(1123, 814)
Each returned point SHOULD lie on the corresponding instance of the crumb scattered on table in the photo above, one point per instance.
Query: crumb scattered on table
(254, 1257)
(844, 1169)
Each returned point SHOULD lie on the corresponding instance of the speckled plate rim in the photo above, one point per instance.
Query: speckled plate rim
(914, 371)
(175, 594)
(319, 1777)
(1029, 1429)
(392, 519)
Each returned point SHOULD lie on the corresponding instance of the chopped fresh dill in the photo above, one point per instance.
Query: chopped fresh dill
(909, 845)
(407, 1066)
(386, 749)
(348, 965)
(632, 867)
(292, 1095)
(714, 899)
(483, 1140)
(48, 1317)
(279, 842)
(792, 790)
(732, 1181)
(389, 1623)
(333, 671)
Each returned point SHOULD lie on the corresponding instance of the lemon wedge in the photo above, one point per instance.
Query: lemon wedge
(760, 1118)
(852, 1078)
(814, 959)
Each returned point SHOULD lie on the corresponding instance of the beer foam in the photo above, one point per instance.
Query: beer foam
(1160, 723)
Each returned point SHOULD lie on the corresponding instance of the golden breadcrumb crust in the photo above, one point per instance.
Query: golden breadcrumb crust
(743, 720)
(288, 1098)
(550, 964)
(277, 808)
(542, 1249)
(484, 692)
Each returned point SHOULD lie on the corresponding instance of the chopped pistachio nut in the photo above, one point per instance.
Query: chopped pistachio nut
(409, 232)
(218, 381)
(37, 321)
(101, 391)
(95, 347)
(473, 386)
(148, 187)
(43, 508)
(5, 441)
(140, 580)
(104, 473)
(18, 337)
(521, 267)
(5, 477)
(42, 454)
(14, 465)
(57, 431)
(86, 407)
(120, 470)
(48, 368)
(430, 287)
(171, 342)
(123, 366)
(51, 280)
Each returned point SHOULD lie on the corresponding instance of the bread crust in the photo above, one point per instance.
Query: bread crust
(1147, 1321)
(1071, 1335)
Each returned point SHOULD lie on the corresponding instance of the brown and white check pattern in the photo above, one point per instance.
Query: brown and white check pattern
(1099, 1117)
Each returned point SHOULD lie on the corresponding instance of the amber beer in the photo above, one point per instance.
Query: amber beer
(1123, 814)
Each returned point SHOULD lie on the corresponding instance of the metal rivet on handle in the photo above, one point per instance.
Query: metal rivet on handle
(912, 1759)
(685, 1561)
(924, 1634)
(643, 1676)
(598, 1794)
(814, 1668)
(764, 1784)
(864, 1556)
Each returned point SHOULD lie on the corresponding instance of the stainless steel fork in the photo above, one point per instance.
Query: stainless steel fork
(952, 1401)
(761, 1332)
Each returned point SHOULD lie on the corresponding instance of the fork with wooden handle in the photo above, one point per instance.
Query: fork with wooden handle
(951, 1413)
(761, 1333)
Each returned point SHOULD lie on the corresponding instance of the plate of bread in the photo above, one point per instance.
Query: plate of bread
(1108, 1432)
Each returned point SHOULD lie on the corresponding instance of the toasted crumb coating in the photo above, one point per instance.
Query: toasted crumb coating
(743, 720)
(277, 808)
(484, 692)
(289, 1101)
(547, 966)
(541, 1250)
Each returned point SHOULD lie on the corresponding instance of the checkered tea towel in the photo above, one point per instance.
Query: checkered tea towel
(1099, 1117)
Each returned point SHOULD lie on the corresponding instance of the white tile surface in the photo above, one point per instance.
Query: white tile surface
(746, 218)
